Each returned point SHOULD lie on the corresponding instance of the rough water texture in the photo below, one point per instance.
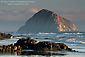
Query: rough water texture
(47, 21)
(76, 41)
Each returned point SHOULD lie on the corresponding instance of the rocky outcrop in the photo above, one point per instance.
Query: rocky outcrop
(47, 21)
(5, 36)
(41, 46)
(30, 44)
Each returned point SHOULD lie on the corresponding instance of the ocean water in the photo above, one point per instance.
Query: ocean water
(74, 40)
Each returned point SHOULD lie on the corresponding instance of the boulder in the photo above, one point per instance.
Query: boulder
(5, 36)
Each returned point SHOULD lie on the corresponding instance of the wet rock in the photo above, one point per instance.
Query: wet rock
(52, 46)
(1, 48)
(39, 53)
(30, 44)
(2, 34)
(33, 41)
(1, 38)
(5, 36)
(9, 36)
(43, 46)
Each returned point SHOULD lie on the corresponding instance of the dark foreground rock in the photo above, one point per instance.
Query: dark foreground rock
(5, 36)
(28, 53)
(40, 53)
(30, 44)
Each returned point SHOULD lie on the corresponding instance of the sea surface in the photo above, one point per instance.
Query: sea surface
(74, 40)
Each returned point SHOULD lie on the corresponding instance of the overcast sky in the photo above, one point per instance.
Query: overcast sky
(14, 14)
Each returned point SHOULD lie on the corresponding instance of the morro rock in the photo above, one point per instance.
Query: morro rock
(47, 21)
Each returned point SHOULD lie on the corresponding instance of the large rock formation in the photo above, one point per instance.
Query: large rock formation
(47, 21)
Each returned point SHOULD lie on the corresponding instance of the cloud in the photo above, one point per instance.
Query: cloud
(12, 18)
(17, 15)
(67, 12)
(23, 15)
(1, 12)
(33, 10)
(74, 16)
(11, 12)
(16, 11)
